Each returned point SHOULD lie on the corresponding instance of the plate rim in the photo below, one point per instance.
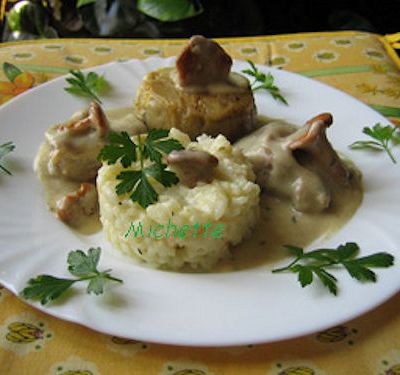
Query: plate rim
(45, 309)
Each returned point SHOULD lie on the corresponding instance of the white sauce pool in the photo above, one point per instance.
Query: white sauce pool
(279, 223)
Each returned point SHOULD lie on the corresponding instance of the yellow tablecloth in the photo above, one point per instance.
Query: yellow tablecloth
(31, 342)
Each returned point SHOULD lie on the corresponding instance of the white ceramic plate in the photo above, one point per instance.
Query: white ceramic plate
(250, 306)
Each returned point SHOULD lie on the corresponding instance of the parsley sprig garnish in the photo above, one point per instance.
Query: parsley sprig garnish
(91, 85)
(384, 138)
(5, 149)
(264, 81)
(315, 264)
(152, 147)
(46, 288)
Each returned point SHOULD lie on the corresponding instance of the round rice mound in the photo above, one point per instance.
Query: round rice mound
(230, 200)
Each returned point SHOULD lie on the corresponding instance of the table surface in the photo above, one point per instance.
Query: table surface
(31, 342)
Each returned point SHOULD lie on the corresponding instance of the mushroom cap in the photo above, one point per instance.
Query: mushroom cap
(202, 61)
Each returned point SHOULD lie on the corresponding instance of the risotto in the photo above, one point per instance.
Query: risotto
(230, 201)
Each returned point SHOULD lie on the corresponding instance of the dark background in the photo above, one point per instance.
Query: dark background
(230, 18)
(120, 19)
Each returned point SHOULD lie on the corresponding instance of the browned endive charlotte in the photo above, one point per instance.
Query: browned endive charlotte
(199, 95)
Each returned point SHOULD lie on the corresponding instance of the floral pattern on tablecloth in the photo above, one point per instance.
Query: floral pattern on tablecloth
(34, 343)
(23, 333)
(73, 366)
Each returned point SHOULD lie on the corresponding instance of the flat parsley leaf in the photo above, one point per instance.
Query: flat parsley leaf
(154, 144)
(46, 288)
(97, 283)
(316, 262)
(144, 192)
(129, 179)
(383, 139)
(90, 85)
(263, 81)
(164, 177)
(136, 182)
(83, 265)
(5, 149)
(120, 147)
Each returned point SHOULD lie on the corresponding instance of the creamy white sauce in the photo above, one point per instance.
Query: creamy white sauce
(236, 83)
(124, 119)
(278, 170)
(56, 187)
(279, 223)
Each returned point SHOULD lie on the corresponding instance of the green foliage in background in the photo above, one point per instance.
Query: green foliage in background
(28, 20)
(169, 10)
(105, 18)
